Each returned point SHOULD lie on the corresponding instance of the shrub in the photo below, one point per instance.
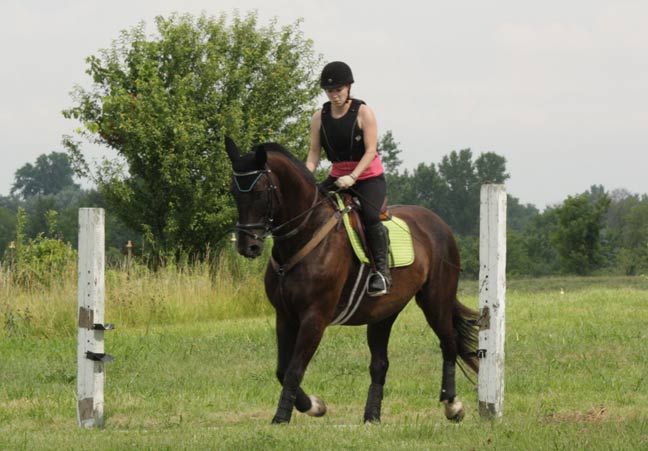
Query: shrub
(39, 262)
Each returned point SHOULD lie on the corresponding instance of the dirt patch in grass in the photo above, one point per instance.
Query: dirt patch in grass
(594, 415)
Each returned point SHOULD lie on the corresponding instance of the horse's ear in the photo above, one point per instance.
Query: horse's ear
(232, 149)
(261, 156)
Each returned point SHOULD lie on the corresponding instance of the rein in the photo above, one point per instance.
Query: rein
(308, 247)
(301, 225)
(317, 238)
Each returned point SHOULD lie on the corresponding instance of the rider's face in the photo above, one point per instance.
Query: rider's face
(338, 95)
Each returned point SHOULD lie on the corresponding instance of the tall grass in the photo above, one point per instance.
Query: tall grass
(37, 301)
(225, 286)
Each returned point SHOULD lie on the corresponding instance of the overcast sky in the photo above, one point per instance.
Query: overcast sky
(559, 88)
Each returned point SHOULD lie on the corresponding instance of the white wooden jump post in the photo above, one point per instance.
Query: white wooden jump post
(492, 291)
(90, 344)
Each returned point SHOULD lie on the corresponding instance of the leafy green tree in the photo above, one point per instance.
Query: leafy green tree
(428, 189)
(532, 250)
(517, 259)
(464, 178)
(636, 236)
(165, 103)
(50, 174)
(65, 202)
(469, 251)
(490, 168)
(452, 188)
(36, 214)
(627, 223)
(397, 183)
(518, 216)
(389, 151)
(577, 237)
(457, 171)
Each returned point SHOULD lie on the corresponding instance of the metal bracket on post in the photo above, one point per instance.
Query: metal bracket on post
(484, 319)
(108, 326)
(86, 320)
(99, 357)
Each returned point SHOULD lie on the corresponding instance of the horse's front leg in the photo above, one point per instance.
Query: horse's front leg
(286, 339)
(378, 339)
(308, 337)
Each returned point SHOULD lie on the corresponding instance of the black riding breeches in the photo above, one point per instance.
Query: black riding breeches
(370, 192)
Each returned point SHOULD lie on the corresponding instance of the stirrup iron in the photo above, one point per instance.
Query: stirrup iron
(385, 288)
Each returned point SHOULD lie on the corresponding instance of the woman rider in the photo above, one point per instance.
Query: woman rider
(346, 128)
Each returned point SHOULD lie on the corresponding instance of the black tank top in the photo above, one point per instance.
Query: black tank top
(341, 138)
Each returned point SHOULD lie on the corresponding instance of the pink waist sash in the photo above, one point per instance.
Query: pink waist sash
(341, 168)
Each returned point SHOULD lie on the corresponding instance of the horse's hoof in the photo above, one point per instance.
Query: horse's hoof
(318, 407)
(372, 420)
(277, 420)
(454, 411)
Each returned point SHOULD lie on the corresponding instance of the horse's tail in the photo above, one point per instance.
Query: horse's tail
(467, 327)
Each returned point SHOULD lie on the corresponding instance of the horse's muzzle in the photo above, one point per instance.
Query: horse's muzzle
(250, 248)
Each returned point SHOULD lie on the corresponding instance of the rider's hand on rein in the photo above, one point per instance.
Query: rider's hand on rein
(346, 181)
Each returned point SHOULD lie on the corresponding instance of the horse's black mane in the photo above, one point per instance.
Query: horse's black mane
(299, 165)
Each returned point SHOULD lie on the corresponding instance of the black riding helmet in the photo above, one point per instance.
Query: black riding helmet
(336, 74)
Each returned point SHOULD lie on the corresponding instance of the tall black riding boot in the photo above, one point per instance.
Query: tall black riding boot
(378, 240)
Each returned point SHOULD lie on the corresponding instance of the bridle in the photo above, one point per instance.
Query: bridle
(267, 223)
(273, 195)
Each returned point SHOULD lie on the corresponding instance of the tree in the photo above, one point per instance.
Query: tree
(635, 239)
(427, 188)
(578, 234)
(540, 256)
(452, 188)
(49, 175)
(458, 173)
(490, 168)
(627, 223)
(518, 216)
(389, 152)
(165, 103)
(463, 179)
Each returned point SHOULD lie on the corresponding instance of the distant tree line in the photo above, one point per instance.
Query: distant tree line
(47, 199)
(588, 233)
(591, 232)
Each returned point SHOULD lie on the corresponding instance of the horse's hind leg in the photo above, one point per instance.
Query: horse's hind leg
(378, 339)
(286, 338)
(439, 310)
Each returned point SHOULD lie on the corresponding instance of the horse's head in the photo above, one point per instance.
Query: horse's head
(253, 191)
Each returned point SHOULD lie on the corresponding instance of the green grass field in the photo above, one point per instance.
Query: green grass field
(576, 366)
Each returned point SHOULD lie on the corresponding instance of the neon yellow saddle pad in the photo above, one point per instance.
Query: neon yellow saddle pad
(401, 248)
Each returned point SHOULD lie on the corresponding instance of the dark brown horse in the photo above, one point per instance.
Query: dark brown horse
(313, 276)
